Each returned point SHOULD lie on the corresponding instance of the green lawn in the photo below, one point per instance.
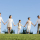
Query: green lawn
(19, 36)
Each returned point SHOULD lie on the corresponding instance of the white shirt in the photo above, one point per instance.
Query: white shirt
(10, 21)
(29, 23)
(19, 25)
(38, 21)
(1, 19)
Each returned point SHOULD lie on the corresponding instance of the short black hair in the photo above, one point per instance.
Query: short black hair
(28, 18)
(19, 20)
(9, 16)
(0, 13)
(38, 16)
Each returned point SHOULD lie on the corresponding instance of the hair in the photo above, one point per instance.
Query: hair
(38, 16)
(28, 18)
(9, 16)
(19, 20)
(0, 13)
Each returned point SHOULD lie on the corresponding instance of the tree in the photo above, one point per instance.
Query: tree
(24, 32)
(12, 32)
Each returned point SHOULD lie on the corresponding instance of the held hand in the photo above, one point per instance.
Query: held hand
(14, 25)
(4, 23)
(24, 26)
(34, 25)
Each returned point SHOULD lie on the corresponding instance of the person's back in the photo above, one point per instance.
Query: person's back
(29, 23)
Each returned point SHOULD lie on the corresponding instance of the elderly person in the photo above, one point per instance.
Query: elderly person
(38, 21)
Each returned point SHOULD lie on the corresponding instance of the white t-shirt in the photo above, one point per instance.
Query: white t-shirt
(1, 19)
(29, 23)
(38, 21)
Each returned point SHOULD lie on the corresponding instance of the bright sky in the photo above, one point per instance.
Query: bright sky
(20, 9)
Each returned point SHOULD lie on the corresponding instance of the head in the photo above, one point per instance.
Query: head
(10, 16)
(38, 16)
(0, 14)
(28, 18)
(20, 21)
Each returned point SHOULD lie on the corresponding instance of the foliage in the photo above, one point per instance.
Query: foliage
(12, 32)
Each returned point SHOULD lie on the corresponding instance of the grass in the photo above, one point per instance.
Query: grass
(19, 36)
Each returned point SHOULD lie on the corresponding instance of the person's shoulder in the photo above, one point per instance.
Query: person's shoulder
(37, 19)
(27, 20)
(30, 21)
(0, 17)
(11, 19)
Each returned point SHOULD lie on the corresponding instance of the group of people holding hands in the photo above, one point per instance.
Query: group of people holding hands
(28, 23)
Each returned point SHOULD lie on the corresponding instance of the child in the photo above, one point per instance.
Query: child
(28, 25)
(19, 26)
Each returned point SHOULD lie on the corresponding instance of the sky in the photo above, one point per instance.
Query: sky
(20, 9)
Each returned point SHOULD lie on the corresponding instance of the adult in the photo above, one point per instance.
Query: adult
(9, 25)
(38, 21)
(0, 22)
(28, 23)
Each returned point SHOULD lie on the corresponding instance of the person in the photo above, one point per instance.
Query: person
(28, 25)
(38, 21)
(19, 26)
(0, 22)
(9, 25)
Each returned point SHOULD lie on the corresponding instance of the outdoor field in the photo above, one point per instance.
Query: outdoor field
(19, 36)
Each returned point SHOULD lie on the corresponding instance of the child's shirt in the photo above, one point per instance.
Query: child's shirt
(19, 25)
(29, 23)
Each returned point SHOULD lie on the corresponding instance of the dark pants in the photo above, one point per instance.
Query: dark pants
(38, 28)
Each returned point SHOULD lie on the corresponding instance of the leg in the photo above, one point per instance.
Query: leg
(18, 30)
(8, 30)
(26, 31)
(29, 30)
(0, 30)
(38, 30)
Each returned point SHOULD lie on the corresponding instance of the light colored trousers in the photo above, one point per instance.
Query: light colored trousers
(0, 27)
(28, 28)
(18, 30)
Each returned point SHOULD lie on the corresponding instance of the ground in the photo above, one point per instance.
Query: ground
(19, 36)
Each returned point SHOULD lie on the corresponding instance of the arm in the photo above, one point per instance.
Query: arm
(32, 23)
(2, 21)
(22, 25)
(16, 24)
(13, 22)
(26, 23)
(6, 22)
(36, 23)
